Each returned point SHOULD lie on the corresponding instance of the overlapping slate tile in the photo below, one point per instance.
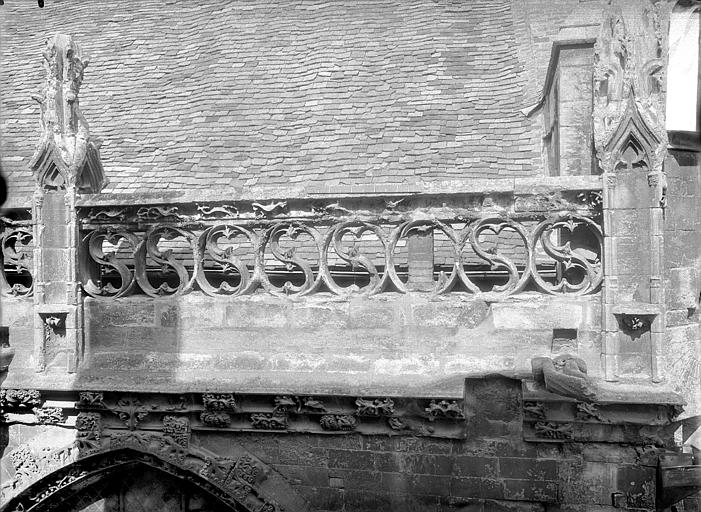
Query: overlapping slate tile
(239, 93)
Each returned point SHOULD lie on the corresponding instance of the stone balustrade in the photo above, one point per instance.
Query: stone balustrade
(493, 246)
(493, 243)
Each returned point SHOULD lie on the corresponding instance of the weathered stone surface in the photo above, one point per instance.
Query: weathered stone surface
(404, 346)
(392, 339)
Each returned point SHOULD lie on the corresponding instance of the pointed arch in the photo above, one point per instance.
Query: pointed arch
(243, 484)
(48, 166)
(69, 482)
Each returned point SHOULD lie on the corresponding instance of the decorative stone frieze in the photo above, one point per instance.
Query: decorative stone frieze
(89, 422)
(338, 422)
(298, 405)
(215, 419)
(96, 412)
(589, 411)
(615, 417)
(219, 402)
(268, 421)
(444, 409)
(19, 399)
(177, 428)
(550, 430)
(266, 210)
(534, 410)
(130, 410)
(90, 399)
(246, 469)
(89, 426)
(50, 415)
(24, 462)
(376, 407)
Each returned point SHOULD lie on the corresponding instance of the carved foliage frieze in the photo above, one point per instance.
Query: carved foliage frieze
(176, 415)
(90, 399)
(215, 419)
(89, 426)
(130, 410)
(376, 407)
(338, 422)
(444, 409)
(298, 405)
(24, 462)
(534, 410)
(589, 412)
(177, 428)
(219, 402)
(550, 430)
(268, 421)
(49, 415)
(19, 399)
(547, 416)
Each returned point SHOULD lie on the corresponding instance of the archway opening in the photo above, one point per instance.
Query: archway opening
(136, 487)
(122, 481)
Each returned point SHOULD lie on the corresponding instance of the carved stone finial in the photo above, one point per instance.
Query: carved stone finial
(65, 156)
(629, 81)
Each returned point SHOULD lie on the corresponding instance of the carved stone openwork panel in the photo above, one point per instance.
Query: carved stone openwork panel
(16, 251)
(220, 251)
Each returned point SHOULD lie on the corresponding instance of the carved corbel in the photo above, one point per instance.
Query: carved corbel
(566, 375)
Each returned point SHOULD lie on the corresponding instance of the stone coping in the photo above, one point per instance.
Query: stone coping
(517, 186)
(639, 393)
(642, 393)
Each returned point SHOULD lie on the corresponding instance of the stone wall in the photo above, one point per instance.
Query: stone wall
(391, 344)
(491, 469)
(683, 276)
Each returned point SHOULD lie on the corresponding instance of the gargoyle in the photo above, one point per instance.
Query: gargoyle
(565, 375)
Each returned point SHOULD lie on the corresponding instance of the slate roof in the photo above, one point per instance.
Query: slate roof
(197, 95)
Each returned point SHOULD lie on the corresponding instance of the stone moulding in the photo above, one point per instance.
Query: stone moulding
(291, 413)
